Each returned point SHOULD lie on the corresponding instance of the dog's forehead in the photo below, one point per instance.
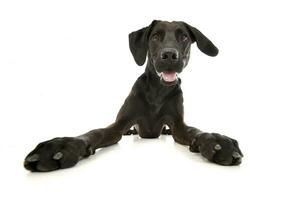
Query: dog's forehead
(167, 26)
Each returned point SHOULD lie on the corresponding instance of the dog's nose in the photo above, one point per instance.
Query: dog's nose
(169, 54)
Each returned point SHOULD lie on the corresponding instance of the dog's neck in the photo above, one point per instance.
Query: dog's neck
(155, 92)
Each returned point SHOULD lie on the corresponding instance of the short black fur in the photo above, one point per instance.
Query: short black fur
(154, 102)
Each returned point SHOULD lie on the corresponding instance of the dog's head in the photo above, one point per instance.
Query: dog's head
(168, 47)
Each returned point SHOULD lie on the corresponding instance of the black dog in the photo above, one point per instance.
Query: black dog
(154, 102)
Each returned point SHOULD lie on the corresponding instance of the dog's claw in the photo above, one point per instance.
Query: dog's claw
(33, 158)
(91, 151)
(236, 155)
(58, 156)
(218, 147)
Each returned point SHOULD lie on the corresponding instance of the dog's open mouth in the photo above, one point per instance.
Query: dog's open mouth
(168, 78)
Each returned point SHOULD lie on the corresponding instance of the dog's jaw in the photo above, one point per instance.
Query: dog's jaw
(168, 78)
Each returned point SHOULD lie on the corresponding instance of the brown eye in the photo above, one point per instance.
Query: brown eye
(184, 38)
(155, 37)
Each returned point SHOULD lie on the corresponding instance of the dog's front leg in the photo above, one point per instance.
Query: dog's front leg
(104, 137)
(65, 152)
(216, 148)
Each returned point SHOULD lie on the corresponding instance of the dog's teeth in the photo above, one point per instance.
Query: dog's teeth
(159, 74)
(33, 158)
(58, 156)
(91, 151)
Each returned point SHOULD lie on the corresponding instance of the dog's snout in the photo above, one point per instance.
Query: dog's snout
(169, 54)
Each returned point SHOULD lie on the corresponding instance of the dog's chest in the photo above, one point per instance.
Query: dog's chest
(150, 126)
(155, 98)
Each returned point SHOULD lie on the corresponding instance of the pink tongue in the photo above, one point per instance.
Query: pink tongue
(169, 76)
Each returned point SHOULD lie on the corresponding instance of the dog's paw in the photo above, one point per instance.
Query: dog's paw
(217, 148)
(57, 153)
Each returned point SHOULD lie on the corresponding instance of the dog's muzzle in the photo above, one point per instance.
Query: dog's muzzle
(168, 64)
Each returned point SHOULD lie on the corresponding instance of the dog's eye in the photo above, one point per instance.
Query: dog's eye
(155, 37)
(183, 38)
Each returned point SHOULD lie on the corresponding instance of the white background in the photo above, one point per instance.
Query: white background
(66, 68)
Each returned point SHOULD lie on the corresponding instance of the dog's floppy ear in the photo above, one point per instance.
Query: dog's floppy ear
(138, 43)
(203, 43)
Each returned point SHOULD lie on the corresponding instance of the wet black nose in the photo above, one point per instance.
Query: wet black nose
(169, 54)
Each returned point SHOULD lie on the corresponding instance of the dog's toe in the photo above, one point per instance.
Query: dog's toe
(33, 158)
(58, 156)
